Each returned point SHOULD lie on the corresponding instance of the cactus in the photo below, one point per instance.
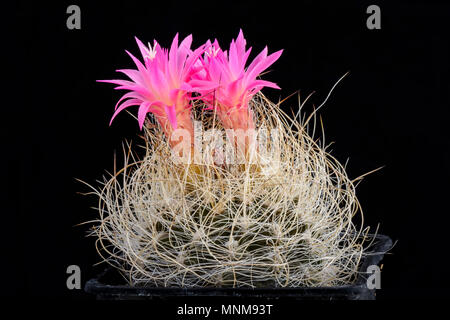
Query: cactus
(278, 219)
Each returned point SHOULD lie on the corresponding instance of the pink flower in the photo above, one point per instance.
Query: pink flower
(227, 85)
(161, 85)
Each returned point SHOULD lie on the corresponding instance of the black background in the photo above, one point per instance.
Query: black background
(392, 110)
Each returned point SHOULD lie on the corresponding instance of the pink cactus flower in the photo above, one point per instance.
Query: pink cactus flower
(227, 85)
(161, 85)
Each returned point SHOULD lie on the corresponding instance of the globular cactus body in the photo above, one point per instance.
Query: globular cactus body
(282, 220)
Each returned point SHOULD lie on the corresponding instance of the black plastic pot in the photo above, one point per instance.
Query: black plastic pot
(108, 286)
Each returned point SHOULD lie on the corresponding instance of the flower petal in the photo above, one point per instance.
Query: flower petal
(171, 115)
(126, 104)
(143, 110)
